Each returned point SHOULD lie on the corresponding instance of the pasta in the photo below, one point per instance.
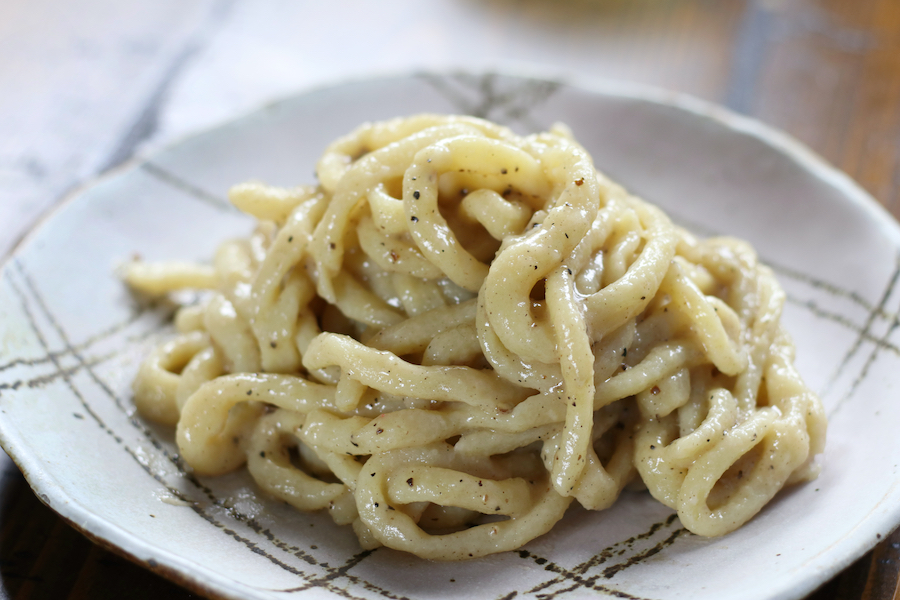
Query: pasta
(459, 331)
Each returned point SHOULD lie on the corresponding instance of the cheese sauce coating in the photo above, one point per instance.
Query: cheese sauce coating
(459, 331)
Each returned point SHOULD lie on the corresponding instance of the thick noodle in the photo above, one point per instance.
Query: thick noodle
(460, 331)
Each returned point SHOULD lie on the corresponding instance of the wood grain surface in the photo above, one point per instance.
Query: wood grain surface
(825, 71)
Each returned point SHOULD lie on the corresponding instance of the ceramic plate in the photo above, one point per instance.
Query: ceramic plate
(72, 337)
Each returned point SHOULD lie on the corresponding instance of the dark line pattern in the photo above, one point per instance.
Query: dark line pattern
(829, 288)
(42, 380)
(579, 581)
(188, 188)
(342, 571)
(864, 372)
(867, 327)
(825, 315)
(612, 571)
(488, 100)
(618, 549)
(97, 338)
(62, 372)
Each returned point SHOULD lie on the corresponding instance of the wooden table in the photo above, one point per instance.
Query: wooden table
(825, 71)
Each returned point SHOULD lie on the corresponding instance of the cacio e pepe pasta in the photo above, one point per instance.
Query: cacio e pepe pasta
(459, 331)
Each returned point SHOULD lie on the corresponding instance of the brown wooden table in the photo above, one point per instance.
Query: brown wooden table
(825, 71)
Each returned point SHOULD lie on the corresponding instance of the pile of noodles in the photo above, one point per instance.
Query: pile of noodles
(459, 331)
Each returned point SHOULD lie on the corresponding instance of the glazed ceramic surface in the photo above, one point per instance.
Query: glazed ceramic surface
(72, 337)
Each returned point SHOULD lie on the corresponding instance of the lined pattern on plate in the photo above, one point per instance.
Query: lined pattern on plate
(78, 365)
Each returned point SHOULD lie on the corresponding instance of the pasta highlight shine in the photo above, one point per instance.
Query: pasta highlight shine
(460, 331)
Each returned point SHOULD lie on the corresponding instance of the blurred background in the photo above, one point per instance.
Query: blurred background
(86, 86)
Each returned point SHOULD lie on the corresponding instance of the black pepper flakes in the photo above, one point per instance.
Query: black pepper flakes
(416, 194)
(414, 219)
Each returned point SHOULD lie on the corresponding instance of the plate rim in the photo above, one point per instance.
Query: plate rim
(113, 537)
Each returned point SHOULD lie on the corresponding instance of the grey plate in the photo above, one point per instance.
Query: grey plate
(72, 337)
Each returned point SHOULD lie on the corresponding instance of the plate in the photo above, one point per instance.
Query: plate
(72, 337)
